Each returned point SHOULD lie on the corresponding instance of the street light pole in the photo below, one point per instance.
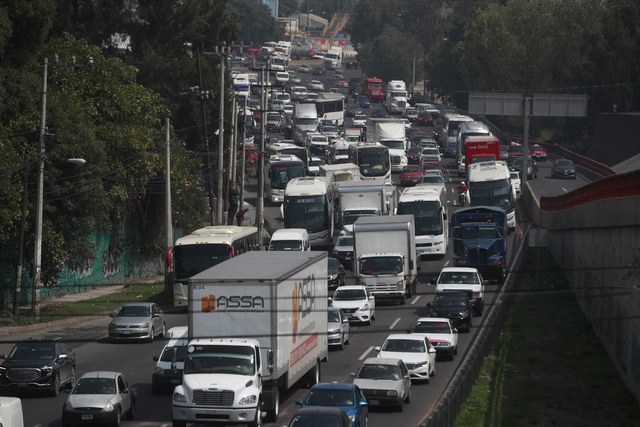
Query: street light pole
(221, 221)
(37, 254)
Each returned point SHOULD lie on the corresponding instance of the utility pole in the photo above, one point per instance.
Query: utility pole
(223, 59)
(168, 282)
(234, 145)
(205, 129)
(243, 159)
(261, 153)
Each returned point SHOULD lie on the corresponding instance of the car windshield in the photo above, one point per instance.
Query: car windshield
(404, 346)
(432, 179)
(95, 386)
(329, 397)
(315, 420)
(379, 372)
(432, 327)
(414, 169)
(349, 295)
(459, 277)
(333, 265)
(172, 353)
(134, 311)
(333, 316)
(33, 351)
(450, 301)
(565, 163)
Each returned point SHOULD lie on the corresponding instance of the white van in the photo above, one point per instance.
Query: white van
(290, 239)
(11, 412)
(168, 371)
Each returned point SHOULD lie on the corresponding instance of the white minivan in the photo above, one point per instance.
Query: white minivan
(290, 239)
(168, 371)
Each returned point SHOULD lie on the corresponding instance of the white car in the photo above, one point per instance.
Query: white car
(462, 279)
(360, 120)
(440, 332)
(299, 93)
(314, 165)
(384, 382)
(356, 301)
(462, 167)
(102, 397)
(282, 78)
(338, 327)
(516, 183)
(304, 69)
(316, 85)
(415, 351)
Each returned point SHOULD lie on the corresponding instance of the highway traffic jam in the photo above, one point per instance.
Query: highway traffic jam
(392, 227)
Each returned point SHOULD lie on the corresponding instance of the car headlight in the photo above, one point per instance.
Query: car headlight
(179, 397)
(333, 276)
(145, 325)
(158, 370)
(420, 364)
(364, 307)
(248, 400)
(392, 393)
(334, 331)
(352, 417)
(108, 407)
(68, 406)
(46, 370)
(464, 314)
(112, 326)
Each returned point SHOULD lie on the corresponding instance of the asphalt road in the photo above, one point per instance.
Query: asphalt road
(94, 352)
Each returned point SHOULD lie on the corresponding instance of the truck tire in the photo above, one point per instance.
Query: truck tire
(313, 376)
(258, 421)
(177, 423)
(273, 413)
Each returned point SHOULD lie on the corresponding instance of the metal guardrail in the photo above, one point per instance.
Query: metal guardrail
(459, 387)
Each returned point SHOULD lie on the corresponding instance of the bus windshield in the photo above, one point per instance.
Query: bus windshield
(374, 161)
(308, 212)
(193, 259)
(427, 214)
(492, 193)
(281, 174)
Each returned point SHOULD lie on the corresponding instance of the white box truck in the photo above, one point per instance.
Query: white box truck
(385, 258)
(333, 58)
(391, 133)
(257, 324)
(357, 199)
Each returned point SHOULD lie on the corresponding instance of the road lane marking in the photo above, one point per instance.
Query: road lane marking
(447, 262)
(366, 352)
(415, 300)
(395, 322)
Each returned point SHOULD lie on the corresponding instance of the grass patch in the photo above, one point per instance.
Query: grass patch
(549, 367)
(153, 292)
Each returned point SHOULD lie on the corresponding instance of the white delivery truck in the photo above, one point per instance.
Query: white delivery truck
(333, 58)
(385, 258)
(396, 97)
(340, 172)
(357, 199)
(391, 133)
(257, 324)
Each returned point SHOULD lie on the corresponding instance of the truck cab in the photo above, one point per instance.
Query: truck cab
(228, 371)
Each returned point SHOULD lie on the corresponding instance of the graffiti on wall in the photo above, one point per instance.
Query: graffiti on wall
(110, 262)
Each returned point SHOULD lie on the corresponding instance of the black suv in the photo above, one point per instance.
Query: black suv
(38, 365)
(453, 305)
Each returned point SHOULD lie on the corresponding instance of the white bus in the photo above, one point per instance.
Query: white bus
(453, 121)
(330, 106)
(373, 159)
(308, 203)
(490, 185)
(428, 206)
(205, 248)
(279, 170)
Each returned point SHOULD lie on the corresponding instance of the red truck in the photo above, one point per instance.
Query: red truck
(481, 148)
(372, 88)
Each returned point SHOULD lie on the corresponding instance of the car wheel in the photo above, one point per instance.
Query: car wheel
(341, 346)
(164, 330)
(55, 387)
(408, 398)
(400, 407)
(455, 351)
(131, 413)
(72, 377)
(152, 335)
(118, 418)
(426, 381)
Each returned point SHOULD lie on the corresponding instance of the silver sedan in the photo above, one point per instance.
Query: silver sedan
(137, 321)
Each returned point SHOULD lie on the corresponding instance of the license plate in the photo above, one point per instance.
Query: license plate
(348, 258)
(126, 332)
(374, 402)
(87, 417)
(22, 384)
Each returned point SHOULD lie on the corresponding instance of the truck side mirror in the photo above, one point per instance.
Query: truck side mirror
(270, 362)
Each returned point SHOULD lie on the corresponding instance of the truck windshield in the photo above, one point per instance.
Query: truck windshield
(427, 214)
(374, 161)
(217, 359)
(351, 216)
(381, 265)
(285, 245)
(393, 145)
(306, 121)
(492, 193)
(478, 233)
(308, 212)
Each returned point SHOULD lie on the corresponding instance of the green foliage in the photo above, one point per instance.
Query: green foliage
(255, 23)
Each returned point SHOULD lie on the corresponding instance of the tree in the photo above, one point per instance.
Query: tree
(255, 23)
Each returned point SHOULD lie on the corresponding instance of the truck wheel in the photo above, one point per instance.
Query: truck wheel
(176, 423)
(272, 415)
(313, 376)
(258, 421)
